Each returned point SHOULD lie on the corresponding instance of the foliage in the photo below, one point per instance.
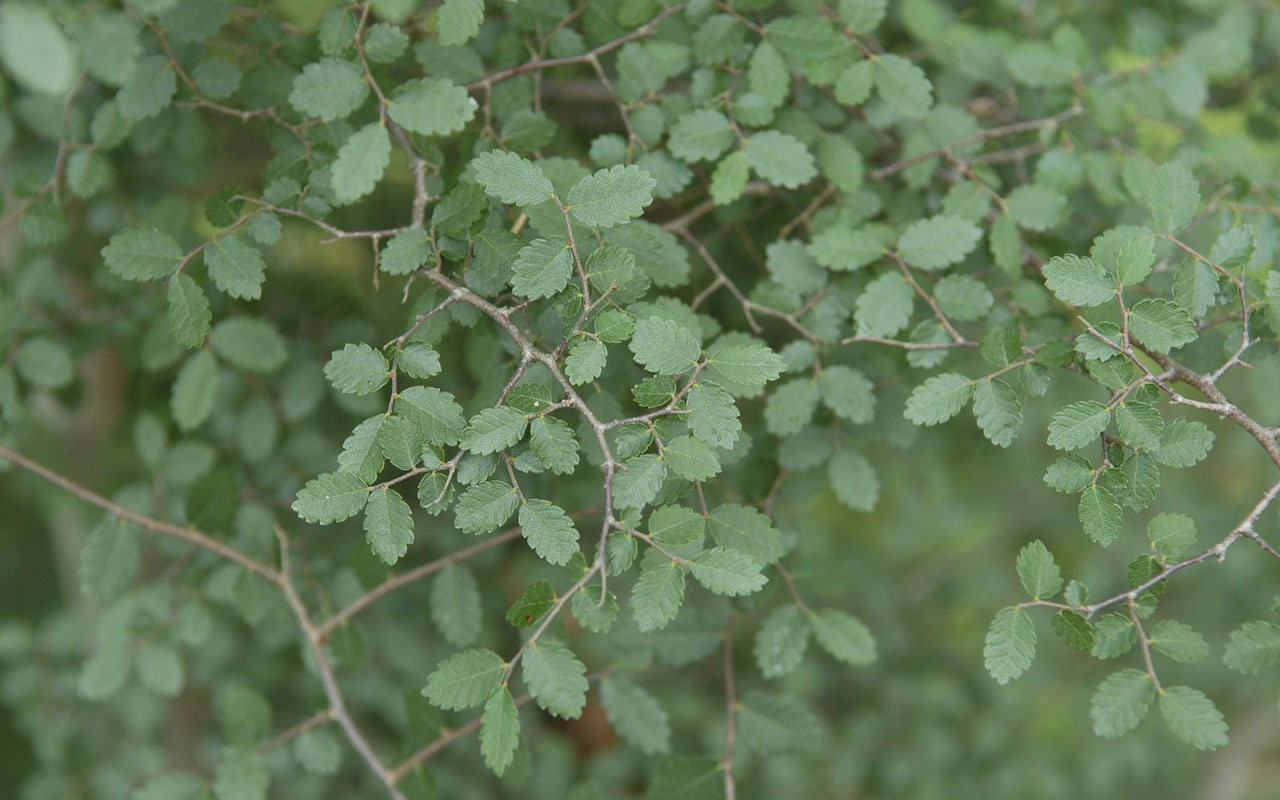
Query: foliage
(612, 300)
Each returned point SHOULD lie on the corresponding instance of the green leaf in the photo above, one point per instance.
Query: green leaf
(1010, 644)
(1121, 702)
(542, 268)
(44, 363)
(635, 715)
(848, 393)
(903, 86)
(465, 680)
(998, 411)
(494, 429)
(1036, 207)
(729, 179)
(1074, 630)
(195, 390)
(791, 406)
(585, 361)
(457, 22)
(241, 774)
(1161, 325)
(243, 713)
(938, 242)
(249, 343)
(419, 361)
(854, 85)
(614, 266)
(614, 326)
(553, 441)
(1195, 287)
(1192, 717)
(691, 458)
(485, 506)
(361, 161)
(1100, 514)
(405, 252)
(236, 268)
(189, 314)
(611, 196)
(750, 365)
(658, 591)
(1173, 196)
(1127, 252)
(1070, 473)
(725, 571)
(434, 412)
(938, 399)
(148, 90)
(388, 525)
(779, 158)
(456, 605)
(1253, 647)
(385, 42)
(746, 530)
(1234, 248)
(767, 74)
(499, 731)
(171, 786)
(1078, 281)
(1078, 424)
(700, 135)
(1038, 571)
(512, 179)
(863, 16)
(330, 89)
(458, 211)
(105, 673)
(1005, 244)
(435, 493)
(318, 751)
(963, 298)
(331, 497)
(1185, 443)
(781, 641)
(555, 677)
(713, 416)
(853, 479)
(361, 452)
(109, 559)
(1171, 535)
(34, 49)
(431, 106)
(885, 306)
(843, 636)
(686, 778)
(160, 669)
(142, 255)
(532, 605)
(664, 346)
(357, 369)
(1140, 425)
(777, 723)
(1115, 636)
(549, 531)
(1179, 641)
(638, 480)
(589, 610)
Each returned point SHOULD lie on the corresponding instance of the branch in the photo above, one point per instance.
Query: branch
(150, 523)
(582, 58)
(337, 703)
(731, 721)
(404, 579)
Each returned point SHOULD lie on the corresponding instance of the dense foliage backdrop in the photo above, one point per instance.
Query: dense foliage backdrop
(728, 398)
